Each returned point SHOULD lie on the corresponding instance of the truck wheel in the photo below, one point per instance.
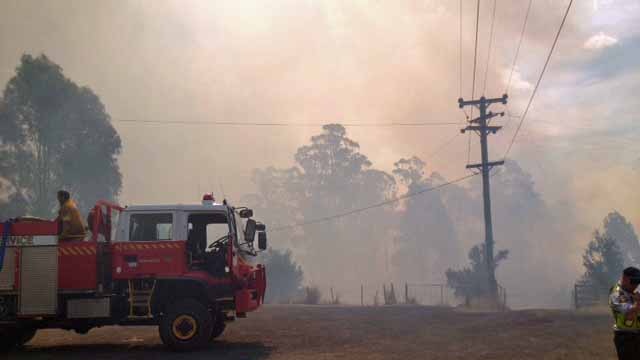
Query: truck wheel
(26, 335)
(11, 338)
(186, 326)
(218, 326)
(7, 344)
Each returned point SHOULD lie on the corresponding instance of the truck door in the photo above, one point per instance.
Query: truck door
(208, 241)
(152, 249)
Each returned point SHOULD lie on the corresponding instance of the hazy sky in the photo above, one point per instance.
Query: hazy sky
(346, 61)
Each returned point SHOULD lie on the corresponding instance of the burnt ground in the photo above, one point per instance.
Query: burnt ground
(343, 332)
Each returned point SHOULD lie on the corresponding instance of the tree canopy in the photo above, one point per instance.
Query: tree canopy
(617, 227)
(330, 175)
(54, 135)
(609, 252)
(602, 261)
(414, 239)
(426, 240)
(471, 281)
(284, 274)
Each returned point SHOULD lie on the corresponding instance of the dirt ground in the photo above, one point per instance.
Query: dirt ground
(342, 332)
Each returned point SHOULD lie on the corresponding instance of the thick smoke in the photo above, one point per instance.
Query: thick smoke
(355, 61)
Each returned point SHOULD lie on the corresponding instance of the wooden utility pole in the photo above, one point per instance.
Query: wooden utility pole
(482, 127)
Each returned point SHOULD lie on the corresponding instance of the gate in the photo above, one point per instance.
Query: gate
(587, 294)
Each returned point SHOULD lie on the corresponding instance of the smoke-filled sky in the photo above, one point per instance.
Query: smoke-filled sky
(353, 61)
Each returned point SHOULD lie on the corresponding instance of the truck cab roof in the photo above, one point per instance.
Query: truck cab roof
(178, 207)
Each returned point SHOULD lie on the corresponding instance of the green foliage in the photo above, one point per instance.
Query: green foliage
(410, 171)
(334, 176)
(284, 275)
(412, 240)
(329, 176)
(14, 205)
(472, 281)
(619, 229)
(602, 261)
(426, 238)
(54, 134)
(311, 296)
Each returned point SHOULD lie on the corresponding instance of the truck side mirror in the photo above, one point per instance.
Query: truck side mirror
(250, 231)
(262, 240)
(246, 213)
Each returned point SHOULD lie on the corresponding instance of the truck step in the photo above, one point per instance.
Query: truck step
(139, 317)
(140, 301)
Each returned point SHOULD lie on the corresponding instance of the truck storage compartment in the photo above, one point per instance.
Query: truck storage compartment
(88, 308)
(38, 280)
(8, 272)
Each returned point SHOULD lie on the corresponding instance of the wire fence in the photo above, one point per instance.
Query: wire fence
(424, 294)
(427, 294)
(586, 295)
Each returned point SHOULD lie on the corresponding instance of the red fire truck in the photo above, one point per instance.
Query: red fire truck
(185, 268)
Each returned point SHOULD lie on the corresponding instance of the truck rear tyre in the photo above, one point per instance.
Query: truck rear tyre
(218, 326)
(186, 326)
(11, 338)
(26, 335)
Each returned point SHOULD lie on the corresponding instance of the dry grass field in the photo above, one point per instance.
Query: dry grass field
(343, 332)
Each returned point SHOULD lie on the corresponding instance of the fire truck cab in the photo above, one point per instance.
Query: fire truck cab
(185, 268)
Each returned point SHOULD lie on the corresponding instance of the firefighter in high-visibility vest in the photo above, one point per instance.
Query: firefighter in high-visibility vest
(73, 227)
(625, 305)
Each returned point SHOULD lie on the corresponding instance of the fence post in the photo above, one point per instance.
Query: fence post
(362, 295)
(504, 299)
(393, 292)
(441, 294)
(384, 293)
(406, 293)
(575, 296)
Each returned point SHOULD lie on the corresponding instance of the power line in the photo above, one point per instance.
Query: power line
(460, 49)
(281, 124)
(486, 71)
(383, 203)
(468, 148)
(473, 85)
(460, 56)
(509, 117)
(515, 61)
(535, 89)
(475, 54)
(442, 146)
(515, 58)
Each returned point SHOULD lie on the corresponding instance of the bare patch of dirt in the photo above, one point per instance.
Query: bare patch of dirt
(343, 332)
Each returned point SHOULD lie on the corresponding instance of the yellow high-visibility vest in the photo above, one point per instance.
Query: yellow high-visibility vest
(621, 321)
(72, 224)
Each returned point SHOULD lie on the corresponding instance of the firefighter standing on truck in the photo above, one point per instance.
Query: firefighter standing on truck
(625, 305)
(72, 225)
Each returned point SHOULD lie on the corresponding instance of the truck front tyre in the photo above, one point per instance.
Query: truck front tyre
(218, 326)
(186, 326)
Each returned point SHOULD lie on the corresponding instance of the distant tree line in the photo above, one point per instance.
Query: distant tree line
(416, 239)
